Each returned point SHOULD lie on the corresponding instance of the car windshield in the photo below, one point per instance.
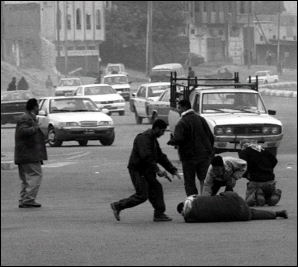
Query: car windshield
(261, 73)
(99, 90)
(231, 102)
(154, 91)
(115, 80)
(113, 68)
(72, 105)
(16, 95)
(70, 82)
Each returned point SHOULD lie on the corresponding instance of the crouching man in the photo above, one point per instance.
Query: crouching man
(261, 188)
(227, 206)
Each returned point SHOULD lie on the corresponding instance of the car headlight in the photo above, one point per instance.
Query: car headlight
(218, 130)
(275, 130)
(229, 130)
(101, 123)
(266, 130)
(119, 101)
(67, 124)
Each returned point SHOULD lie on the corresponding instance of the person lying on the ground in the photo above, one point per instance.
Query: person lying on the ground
(225, 207)
(261, 188)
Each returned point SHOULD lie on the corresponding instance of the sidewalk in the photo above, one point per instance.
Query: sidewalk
(7, 161)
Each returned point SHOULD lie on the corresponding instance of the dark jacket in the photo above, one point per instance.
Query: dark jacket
(227, 206)
(146, 153)
(29, 143)
(193, 137)
(12, 86)
(260, 165)
(22, 84)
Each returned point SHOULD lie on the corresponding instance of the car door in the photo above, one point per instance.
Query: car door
(79, 91)
(163, 106)
(43, 120)
(140, 101)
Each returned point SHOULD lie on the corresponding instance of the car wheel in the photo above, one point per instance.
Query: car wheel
(52, 137)
(121, 113)
(138, 119)
(107, 141)
(83, 142)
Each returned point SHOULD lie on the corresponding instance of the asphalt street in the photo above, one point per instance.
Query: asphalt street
(75, 225)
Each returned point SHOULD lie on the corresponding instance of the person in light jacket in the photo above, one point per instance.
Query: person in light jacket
(30, 151)
(223, 171)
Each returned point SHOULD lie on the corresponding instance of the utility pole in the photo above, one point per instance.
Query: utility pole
(2, 31)
(149, 39)
(248, 36)
(58, 21)
(279, 70)
(65, 36)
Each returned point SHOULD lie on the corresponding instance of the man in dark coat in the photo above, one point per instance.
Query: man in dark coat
(12, 85)
(261, 187)
(225, 207)
(30, 151)
(195, 142)
(22, 84)
(142, 166)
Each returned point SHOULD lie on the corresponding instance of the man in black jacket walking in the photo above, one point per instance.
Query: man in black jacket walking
(142, 166)
(195, 142)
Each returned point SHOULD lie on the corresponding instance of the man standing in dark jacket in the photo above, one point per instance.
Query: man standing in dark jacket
(261, 188)
(30, 151)
(225, 207)
(22, 84)
(142, 166)
(195, 142)
(12, 85)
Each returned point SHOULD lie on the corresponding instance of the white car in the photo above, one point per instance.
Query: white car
(120, 83)
(71, 118)
(145, 94)
(264, 77)
(67, 86)
(104, 96)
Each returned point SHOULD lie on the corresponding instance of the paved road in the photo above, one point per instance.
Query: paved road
(75, 226)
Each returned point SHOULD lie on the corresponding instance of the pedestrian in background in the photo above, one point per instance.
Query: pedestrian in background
(225, 207)
(49, 83)
(22, 84)
(223, 171)
(12, 85)
(195, 142)
(191, 73)
(30, 151)
(261, 188)
(143, 167)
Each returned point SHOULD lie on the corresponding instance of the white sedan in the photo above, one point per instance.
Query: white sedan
(74, 118)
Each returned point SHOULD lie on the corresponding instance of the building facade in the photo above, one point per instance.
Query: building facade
(69, 31)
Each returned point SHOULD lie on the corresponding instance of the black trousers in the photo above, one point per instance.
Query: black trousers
(147, 187)
(262, 214)
(191, 168)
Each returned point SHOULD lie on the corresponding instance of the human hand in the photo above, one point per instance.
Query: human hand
(178, 175)
(163, 173)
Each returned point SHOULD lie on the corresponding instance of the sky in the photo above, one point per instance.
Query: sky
(291, 6)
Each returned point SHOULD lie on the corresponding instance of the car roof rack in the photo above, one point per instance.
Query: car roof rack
(193, 83)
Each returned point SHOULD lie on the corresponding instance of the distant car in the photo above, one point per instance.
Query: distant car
(221, 73)
(116, 68)
(160, 108)
(13, 104)
(146, 93)
(67, 86)
(74, 118)
(264, 77)
(120, 83)
(104, 96)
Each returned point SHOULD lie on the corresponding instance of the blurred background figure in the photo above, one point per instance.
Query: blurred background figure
(12, 85)
(22, 84)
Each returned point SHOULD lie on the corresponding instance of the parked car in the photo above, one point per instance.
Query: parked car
(221, 73)
(146, 93)
(160, 108)
(67, 86)
(104, 96)
(74, 118)
(120, 83)
(13, 104)
(116, 68)
(264, 77)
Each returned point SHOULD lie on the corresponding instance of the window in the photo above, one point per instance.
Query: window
(294, 37)
(261, 38)
(59, 19)
(78, 20)
(192, 31)
(284, 37)
(242, 7)
(88, 22)
(142, 92)
(213, 6)
(68, 21)
(230, 6)
(98, 24)
(80, 48)
(274, 37)
(91, 47)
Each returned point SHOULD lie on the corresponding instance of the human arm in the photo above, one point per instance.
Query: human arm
(27, 126)
(207, 188)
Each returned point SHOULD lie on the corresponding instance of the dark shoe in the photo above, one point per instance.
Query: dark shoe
(30, 205)
(162, 218)
(116, 212)
(282, 213)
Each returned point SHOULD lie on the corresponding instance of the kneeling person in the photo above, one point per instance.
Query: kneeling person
(227, 206)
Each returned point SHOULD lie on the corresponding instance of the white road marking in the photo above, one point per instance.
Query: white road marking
(57, 164)
(79, 155)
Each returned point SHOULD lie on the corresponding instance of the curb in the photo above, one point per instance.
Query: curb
(279, 85)
(8, 165)
(281, 93)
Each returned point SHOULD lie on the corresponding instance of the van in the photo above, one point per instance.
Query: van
(162, 73)
(116, 68)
